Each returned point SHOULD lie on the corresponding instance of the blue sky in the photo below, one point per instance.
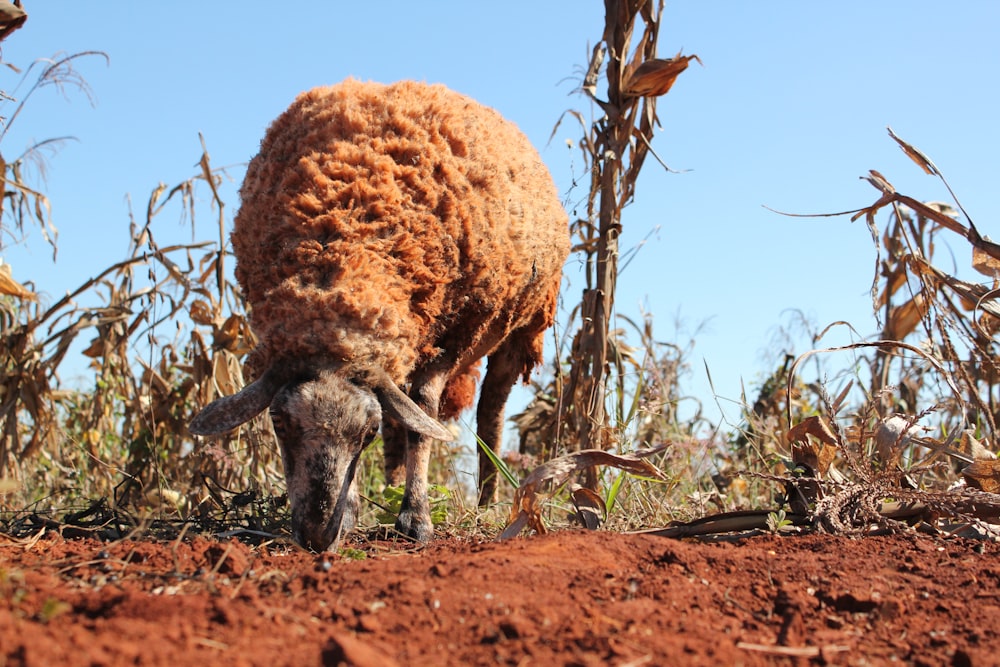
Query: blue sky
(788, 111)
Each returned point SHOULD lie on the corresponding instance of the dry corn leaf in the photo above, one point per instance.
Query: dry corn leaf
(226, 380)
(817, 455)
(591, 510)
(916, 155)
(983, 475)
(201, 312)
(892, 436)
(815, 426)
(838, 402)
(96, 349)
(973, 295)
(986, 264)
(974, 448)
(944, 208)
(151, 378)
(892, 283)
(903, 320)
(655, 77)
(10, 13)
(934, 211)
(11, 287)
(527, 507)
(880, 182)
(519, 523)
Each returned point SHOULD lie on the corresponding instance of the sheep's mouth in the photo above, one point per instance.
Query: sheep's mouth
(326, 507)
(334, 528)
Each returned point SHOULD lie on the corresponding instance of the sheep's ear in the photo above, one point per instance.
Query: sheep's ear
(401, 407)
(229, 412)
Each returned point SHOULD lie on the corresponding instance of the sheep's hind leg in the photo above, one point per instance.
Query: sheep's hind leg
(501, 374)
(414, 519)
(394, 438)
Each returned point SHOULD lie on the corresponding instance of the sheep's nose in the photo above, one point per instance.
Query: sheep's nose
(325, 535)
(312, 540)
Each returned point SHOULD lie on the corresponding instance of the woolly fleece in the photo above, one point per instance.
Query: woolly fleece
(399, 225)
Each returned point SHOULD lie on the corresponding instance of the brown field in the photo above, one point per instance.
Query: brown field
(566, 598)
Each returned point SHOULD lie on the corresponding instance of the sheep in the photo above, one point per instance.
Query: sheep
(389, 237)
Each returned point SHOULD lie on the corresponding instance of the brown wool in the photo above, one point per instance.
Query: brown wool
(386, 223)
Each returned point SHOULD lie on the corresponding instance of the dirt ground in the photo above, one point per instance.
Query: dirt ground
(568, 598)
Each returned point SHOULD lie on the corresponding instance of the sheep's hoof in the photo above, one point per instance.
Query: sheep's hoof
(415, 525)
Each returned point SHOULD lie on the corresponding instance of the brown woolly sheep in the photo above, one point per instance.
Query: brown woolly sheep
(389, 237)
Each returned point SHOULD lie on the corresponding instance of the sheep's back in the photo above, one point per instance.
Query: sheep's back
(390, 222)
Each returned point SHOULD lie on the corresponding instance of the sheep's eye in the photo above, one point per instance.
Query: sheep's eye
(278, 421)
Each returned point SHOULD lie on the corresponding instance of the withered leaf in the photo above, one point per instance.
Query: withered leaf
(916, 155)
(934, 211)
(200, 312)
(227, 379)
(817, 455)
(880, 182)
(96, 349)
(815, 426)
(527, 507)
(892, 436)
(974, 448)
(983, 475)
(11, 287)
(984, 263)
(973, 295)
(519, 523)
(838, 402)
(903, 320)
(892, 284)
(591, 511)
(655, 77)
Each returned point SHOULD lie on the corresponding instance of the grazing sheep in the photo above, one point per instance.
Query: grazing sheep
(389, 237)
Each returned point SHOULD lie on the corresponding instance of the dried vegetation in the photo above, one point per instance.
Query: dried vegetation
(895, 429)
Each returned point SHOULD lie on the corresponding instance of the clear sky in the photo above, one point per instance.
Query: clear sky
(788, 111)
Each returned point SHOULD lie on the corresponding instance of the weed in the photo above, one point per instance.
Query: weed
(776, 521)
(392, 501)
(52, 609)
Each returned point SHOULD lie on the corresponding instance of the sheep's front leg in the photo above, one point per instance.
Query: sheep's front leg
(414, 519)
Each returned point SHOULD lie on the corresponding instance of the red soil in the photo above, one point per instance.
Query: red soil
(570, 598)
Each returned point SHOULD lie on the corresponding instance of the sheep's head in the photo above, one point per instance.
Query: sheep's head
(323, 425)
(324, 421)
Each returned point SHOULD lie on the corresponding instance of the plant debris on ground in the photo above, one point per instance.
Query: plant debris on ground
(125, 539)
